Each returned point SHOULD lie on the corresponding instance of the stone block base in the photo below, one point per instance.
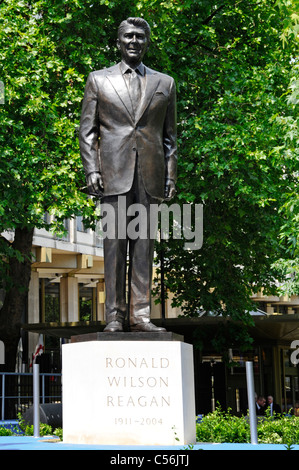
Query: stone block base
(128, 393)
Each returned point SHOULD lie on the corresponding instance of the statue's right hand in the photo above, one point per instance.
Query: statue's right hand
(95, 183)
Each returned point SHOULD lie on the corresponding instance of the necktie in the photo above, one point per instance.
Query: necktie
(135, 89)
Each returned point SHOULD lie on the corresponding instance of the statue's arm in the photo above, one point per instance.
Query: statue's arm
(170, 144)
(89, 135)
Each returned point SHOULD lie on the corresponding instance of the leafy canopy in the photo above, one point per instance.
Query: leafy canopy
(235, 65)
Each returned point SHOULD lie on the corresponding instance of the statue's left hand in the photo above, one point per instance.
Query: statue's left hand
(169, 189)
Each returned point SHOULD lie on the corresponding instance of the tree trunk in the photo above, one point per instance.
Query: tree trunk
(19, 273)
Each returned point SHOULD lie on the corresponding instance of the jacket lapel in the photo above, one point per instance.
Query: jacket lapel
(117, 81)
(152, 82)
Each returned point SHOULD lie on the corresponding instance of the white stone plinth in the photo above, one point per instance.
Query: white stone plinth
(128, 393)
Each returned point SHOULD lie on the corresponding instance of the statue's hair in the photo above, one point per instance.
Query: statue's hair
(140, 22)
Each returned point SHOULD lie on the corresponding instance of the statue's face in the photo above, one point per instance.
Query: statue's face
(133, 44)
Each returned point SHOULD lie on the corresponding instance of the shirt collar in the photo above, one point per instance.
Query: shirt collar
(124, 68)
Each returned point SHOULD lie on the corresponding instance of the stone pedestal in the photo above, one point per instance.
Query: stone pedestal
(128, 389)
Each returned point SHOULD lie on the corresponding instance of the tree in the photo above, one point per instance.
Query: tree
(232, 73)
(288, 122)
(47, 51)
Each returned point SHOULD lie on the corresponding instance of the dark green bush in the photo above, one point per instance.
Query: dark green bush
(5, 432)
(223, 426)
(279, 431)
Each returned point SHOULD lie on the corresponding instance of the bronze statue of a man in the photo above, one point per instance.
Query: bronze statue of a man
(128, 148)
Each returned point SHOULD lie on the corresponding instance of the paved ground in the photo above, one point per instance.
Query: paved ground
(50, 443)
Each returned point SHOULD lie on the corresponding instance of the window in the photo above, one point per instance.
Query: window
(50, 300)
(80, 225)
(86, 302)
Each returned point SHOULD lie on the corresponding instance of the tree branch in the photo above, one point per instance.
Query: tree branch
(209, 18)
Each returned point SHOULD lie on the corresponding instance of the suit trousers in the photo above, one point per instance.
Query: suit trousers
(129, 253)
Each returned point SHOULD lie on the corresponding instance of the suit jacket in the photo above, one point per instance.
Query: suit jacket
(260, 410)
(110, 135)
(275, 408)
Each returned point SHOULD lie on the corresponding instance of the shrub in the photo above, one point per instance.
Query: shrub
(58, 432)
(28, 429)
(5, 432)
(222, 426)
(279, 431)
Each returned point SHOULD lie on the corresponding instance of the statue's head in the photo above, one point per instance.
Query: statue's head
(133, 39)
(139, 22)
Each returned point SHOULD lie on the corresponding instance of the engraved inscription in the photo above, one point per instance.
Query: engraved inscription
(123, 389)
(129, 362)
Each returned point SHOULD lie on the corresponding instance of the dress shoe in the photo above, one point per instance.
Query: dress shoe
(147, 327)
(113, 326)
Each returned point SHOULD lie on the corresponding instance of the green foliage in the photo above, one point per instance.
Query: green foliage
(40, 162)
(45, 430)
(28, 429)
(289, 210)
(279, 431)
(223, 426)
(47, 50)
(238, 151)
(58, 432)
(237, 79)
(5, 432)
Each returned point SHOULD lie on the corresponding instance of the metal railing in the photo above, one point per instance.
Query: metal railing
(16, 392)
